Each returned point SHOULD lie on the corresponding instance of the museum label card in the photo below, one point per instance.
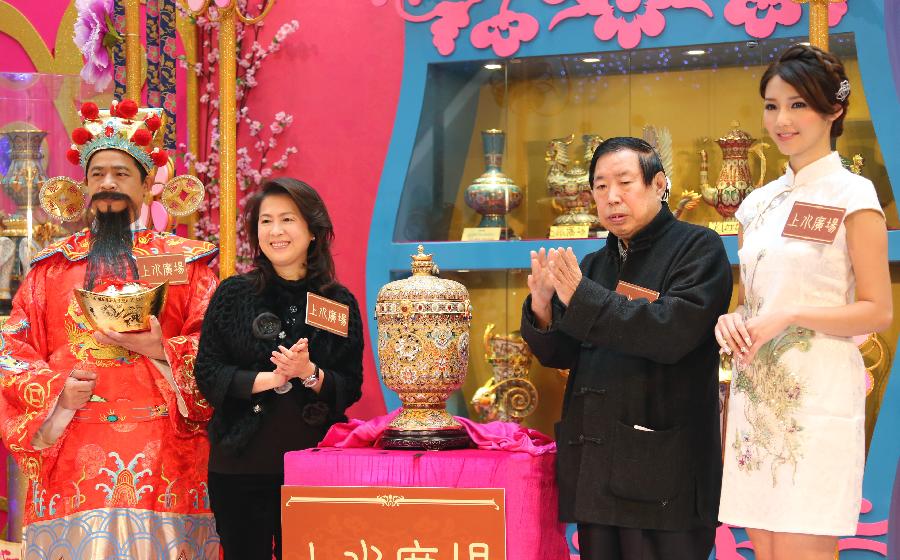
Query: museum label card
(727, 227)
(482, 233)
(569, 231)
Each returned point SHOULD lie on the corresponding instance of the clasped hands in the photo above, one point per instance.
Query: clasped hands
(554, 271)
(293, 362)
(742, 338)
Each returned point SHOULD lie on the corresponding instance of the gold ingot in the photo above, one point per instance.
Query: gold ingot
(123, 312)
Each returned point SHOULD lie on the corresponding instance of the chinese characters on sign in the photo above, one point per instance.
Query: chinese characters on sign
(727, 227)
(157, 269)
(482, 234)
(384, 523)
(327, 314)
(814, 222)
(569, 231)
(476, 551)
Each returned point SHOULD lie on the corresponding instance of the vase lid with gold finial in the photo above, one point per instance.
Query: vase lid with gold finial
(736, 135)
(423, 292)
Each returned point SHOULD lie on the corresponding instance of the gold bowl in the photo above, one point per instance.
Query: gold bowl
(123, 312)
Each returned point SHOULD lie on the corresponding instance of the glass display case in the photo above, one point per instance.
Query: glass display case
(37, 111)
(506, 144)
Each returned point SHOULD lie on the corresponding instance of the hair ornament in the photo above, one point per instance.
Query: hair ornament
(843, 91)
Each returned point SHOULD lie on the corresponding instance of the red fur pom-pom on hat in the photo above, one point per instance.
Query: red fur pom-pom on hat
(73, 156)
(89, 111)
(153, 123)
(127, 109)
(141, 137)
(159, 157)
(81, 136)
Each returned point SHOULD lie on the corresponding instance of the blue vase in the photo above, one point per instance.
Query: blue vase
(493, 194)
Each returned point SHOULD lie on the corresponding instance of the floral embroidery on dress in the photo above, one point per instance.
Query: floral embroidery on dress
(773, 395)
(759, 217)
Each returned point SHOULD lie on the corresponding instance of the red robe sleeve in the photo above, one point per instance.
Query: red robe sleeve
(188, 410)
(29, 387)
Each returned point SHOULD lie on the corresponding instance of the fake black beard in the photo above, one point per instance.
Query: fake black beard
(111, 244)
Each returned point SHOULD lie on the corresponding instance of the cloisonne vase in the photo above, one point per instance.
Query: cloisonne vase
(509, 395)
(493, 194)
(735, 181)
(25, 175)
(423, 347)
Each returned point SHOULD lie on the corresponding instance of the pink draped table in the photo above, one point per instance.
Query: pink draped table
(532, 529)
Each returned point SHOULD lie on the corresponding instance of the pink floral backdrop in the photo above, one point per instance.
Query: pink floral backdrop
(628, 21)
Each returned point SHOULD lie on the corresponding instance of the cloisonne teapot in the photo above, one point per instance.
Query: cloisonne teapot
(734, 182)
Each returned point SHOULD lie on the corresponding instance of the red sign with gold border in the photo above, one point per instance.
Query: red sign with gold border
(156, 269)
(814, 222)
(388, 523)
(327, 314)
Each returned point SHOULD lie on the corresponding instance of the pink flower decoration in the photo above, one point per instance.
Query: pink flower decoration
(505, 32)
(93, 38)
(760, 17)
(836, 12)
(629, 20)
(450, 17)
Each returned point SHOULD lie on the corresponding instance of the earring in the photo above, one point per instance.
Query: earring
(63, 199)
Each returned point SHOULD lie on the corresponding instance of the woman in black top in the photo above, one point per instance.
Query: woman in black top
(276, 383)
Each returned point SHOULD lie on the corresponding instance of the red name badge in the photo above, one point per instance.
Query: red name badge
(633, 291)
(327, 314)
(156, 269)
(814, 222)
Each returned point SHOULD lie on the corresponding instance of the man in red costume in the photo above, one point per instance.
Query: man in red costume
(109, 428)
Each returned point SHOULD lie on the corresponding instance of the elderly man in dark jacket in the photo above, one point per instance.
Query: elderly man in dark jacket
(639, 463)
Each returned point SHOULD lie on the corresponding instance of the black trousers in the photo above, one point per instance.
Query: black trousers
(247, 508)
(605, 542)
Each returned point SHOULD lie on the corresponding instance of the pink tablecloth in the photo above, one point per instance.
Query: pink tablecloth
(532, 529)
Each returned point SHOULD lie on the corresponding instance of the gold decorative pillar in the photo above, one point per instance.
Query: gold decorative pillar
(228, 145)
(133, 50)
(187, 30)
(818, 22)
(226, 16)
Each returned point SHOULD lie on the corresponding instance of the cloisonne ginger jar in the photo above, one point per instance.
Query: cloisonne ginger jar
(423, 347)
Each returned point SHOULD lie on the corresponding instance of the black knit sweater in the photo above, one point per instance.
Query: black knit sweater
(249, 433)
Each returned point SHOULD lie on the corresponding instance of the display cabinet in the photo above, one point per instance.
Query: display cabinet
(507, 144)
